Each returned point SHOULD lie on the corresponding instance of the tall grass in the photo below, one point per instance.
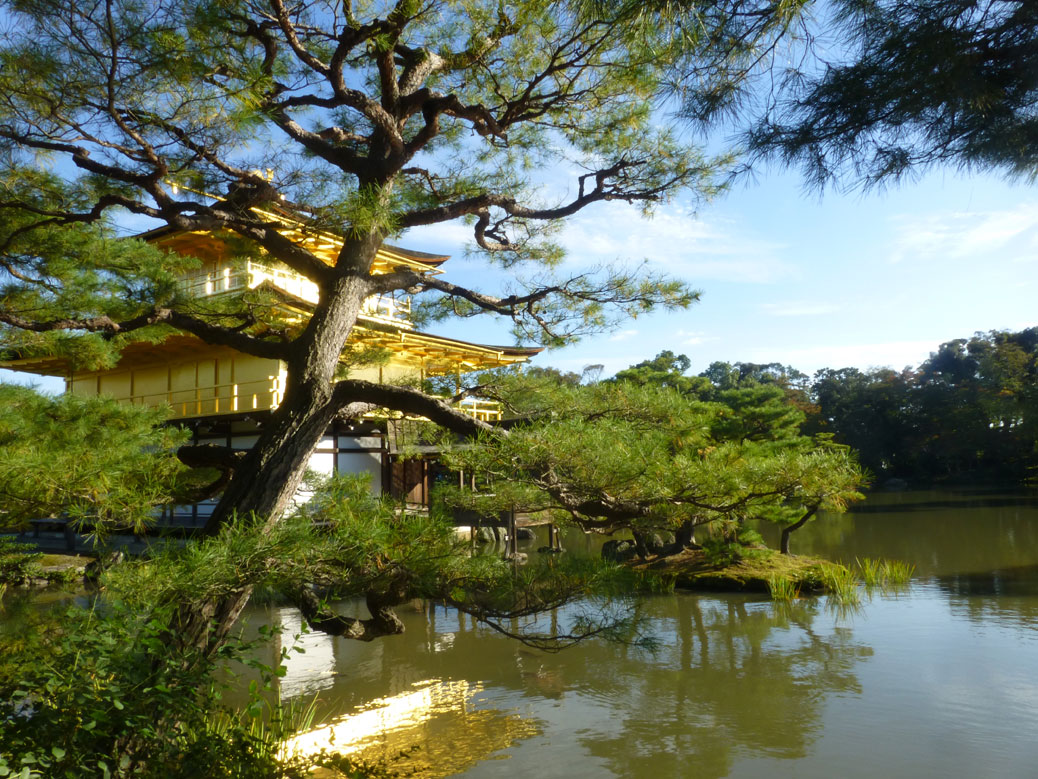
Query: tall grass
(841, 584)
(871, 571)
(885, 574)
(784, 589)
(899, 573)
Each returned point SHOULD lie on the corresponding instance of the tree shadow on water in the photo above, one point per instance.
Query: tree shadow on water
(734, 680)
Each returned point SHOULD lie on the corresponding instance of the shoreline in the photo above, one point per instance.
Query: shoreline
(691, 570)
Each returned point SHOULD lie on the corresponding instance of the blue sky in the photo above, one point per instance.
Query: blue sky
(833, 280)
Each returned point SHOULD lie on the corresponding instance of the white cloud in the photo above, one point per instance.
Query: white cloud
(448, 237)
(965, 234)
(692, 337)
(675, 241)
(799, 308)
(623, 335)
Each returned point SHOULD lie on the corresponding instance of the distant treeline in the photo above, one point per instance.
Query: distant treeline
(968, 413)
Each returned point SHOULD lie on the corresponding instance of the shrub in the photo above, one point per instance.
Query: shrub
(19, 563)
(100, 692)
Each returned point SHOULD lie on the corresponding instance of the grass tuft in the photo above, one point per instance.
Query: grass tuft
(898, 573)
(841, 584)
(871, 571)
(885, 574)
(783, 588)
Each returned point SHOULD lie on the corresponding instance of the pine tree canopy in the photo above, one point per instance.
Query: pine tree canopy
(887, 89)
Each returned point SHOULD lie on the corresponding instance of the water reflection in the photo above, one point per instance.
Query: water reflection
(733, 676)
(936, 682)
(918, 685)
(1003, 596)
(310, 665)
(940, 533)
(433, 731)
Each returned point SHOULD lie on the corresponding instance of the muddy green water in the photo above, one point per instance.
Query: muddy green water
(939, 681)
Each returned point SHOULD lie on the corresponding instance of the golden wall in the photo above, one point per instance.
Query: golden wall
(225, 383)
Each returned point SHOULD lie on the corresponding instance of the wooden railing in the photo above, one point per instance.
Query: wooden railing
(248, 275)
(216, 399)
(483, 410)
(260, 395)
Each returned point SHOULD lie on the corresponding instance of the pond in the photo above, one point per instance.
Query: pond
(941, 680)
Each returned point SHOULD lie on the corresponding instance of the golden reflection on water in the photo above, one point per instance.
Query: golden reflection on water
(434, 730)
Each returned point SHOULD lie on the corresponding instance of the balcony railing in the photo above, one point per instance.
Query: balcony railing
(216, 399)
(483, 410)
(249, 275)
(238, 398)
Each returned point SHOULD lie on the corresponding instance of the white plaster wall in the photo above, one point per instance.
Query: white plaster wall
(363, 462)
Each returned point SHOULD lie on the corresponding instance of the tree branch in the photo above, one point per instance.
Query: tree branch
(410, 401)
(222, 458)
(109, 328)
(611, 183)
(383, 621)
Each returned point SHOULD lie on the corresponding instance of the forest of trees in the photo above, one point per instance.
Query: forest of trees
(968, 413)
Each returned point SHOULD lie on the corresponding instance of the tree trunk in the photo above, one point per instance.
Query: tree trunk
(639, 545)
(266, 480)
(788, 530)
(685, 536)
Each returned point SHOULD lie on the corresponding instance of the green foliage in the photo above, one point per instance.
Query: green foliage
(108, 691)
(892, 574)
(18, 562)
(55, 273)
(730, 542)
(646, 456)
(348, 543)
(840, 584)
(364, 545)
(666, 370)
(486, 99)
(771, 394)
(720, 551)
(969, 412)
(103, 692)
(97, 462)
(897, 573)
(871, 571)
(783, 589)
(911, 85)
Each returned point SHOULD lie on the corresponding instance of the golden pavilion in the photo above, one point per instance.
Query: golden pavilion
(223, 396)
